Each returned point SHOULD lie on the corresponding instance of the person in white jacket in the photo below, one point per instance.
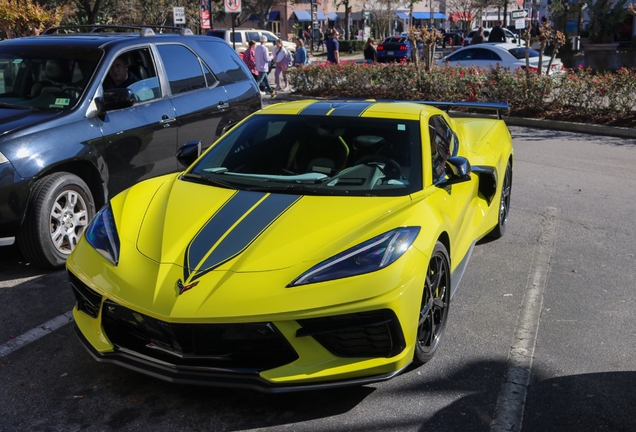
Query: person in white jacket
(281, 58)
(262, 58)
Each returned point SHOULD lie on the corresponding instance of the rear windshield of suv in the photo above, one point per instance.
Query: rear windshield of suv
(45, 77)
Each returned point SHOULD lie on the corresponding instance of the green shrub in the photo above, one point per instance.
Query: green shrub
(580, 91)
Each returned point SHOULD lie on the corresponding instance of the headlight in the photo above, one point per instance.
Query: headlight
(102, 234)
(3, 159)
(367, 257)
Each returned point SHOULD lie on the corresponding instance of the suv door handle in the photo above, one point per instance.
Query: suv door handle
(222, 105)
(165, 120)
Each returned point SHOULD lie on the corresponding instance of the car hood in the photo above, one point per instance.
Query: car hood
(11, 119)
(203, 228)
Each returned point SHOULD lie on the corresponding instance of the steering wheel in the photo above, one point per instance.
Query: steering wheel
(391, 168)
(71, 91)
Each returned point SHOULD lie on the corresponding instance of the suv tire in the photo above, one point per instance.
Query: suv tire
(61, 208)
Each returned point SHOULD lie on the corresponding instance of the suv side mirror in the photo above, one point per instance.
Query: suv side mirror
(188, 153)
(115, 99)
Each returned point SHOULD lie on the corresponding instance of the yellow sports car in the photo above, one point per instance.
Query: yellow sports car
(316, 244)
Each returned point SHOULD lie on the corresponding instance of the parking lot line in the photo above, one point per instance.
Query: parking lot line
(36, 333)
(512, 396)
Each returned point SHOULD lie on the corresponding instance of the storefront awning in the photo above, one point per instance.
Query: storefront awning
(402, 15)
(426, 15)
(333, 16)
(273, 16)
(461, 16)
(305, 16)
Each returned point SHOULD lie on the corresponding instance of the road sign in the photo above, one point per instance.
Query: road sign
(232, 6)
(519, 14)
(520, 23)
(178, 14)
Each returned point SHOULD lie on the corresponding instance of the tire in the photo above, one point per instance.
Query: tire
(60, 208)
(504, 205)
(435, 306)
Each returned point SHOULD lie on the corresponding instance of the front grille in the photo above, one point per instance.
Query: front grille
(249, 347)
(88, 301)
(363, 334)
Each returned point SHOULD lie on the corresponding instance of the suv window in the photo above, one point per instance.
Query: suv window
(228, 69)
(185, 72)
(252, 35)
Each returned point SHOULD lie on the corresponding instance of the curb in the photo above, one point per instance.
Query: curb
(584, 128)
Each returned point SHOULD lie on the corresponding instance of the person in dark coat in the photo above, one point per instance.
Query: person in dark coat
(497, 33)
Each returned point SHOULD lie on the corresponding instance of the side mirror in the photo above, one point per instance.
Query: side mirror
(188, 153)
(115, 99)
(458, 169)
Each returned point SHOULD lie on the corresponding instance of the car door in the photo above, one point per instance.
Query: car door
(453, 201)
(140, 141)
(200, 102)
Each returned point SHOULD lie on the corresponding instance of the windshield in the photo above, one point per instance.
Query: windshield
(45, 78)
(316, 155)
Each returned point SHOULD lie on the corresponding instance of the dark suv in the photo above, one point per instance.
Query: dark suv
(68, 140)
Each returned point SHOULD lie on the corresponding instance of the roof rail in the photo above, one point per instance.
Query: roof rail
(144, 31)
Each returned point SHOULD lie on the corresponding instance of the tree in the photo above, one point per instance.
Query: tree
(466, 8)
(27, 18)
(345, 3)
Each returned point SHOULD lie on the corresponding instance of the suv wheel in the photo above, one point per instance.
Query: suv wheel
(60, 208)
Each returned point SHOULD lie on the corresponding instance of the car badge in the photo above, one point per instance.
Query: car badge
(183, 288)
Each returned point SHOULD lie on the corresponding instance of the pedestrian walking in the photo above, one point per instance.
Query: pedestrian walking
(263, 57)
(300, 57)
(321, 40)
(497, 34)
(333, 48)
(478, 37)
(370, 53)
(282, 58)
(249, 59)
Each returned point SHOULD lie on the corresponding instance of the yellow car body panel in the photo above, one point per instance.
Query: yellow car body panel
(173, 266)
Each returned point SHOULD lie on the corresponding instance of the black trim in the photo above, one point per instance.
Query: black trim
(249, 381)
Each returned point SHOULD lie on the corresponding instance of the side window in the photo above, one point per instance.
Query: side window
(443, 145)
(183, 67)
(252, 36)
(462, 55)
(134, 69)
(236, 37)
(227, 66)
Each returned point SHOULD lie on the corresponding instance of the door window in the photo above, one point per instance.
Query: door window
(184, 69)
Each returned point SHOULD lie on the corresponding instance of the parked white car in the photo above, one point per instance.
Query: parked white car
(506, 55)
(510, 36)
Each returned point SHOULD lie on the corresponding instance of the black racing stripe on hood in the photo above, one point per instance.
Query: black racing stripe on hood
(340, 109)
(248, 230)
(218, 225)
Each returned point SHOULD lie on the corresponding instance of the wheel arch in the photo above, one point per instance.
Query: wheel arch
(87, 171)
(445, 240)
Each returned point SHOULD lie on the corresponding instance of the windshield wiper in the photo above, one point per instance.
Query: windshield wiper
(197, 178)
(14, 106)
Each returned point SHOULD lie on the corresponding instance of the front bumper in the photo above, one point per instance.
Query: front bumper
(241, 380)
(339, 347)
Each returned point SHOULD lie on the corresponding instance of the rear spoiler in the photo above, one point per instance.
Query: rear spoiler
(446, 106)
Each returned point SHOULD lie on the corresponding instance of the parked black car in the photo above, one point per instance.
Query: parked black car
(67, 144)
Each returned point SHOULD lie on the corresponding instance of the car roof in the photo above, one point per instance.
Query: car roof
(405, 110)
(98, 36)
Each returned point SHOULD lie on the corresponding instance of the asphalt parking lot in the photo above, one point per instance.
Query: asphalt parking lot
(546, 311)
